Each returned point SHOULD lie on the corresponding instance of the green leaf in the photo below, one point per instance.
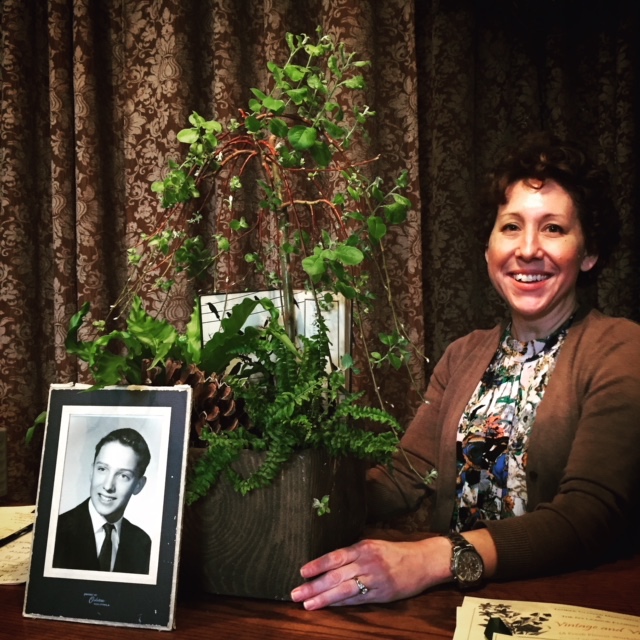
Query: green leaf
(321, 153)
(108, 368)
(314, 266)
(315, 50)
(41, 419)
(357, 82)
(289, 158)
(332, 63)
(239, 224)
(347, 361)
(188, 136)
(72, 344)
(321, 506)
(356, 194)
(255, 105)
(274, 105)
(328, 254)
(346, 290)
(396, 213)
(404, 201)
(349, 256)
(377, 228)
(158, 335)
(193, 334)
(220, 349)
(302, 138)
(387, 338)
(298, 96)
(295, 72)
(278, 127)
(403, 180)
(334, 130)
(211, 140)
(377, 193)
(317, 83)
(259, 94)
(212, 126)
(276, 71)
(253, 124)
(196, 120)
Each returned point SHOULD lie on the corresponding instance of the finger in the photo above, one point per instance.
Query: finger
(348, 592)
(328, 562)
(329, 582)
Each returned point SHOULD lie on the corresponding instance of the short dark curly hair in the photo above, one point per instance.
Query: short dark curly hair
(132, 439)
(542, 156)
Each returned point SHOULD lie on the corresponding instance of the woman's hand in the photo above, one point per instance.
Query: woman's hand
(388, 570)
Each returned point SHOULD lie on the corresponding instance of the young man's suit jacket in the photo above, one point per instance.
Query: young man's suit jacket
(76, 547)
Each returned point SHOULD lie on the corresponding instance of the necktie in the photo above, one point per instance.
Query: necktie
(104, 559)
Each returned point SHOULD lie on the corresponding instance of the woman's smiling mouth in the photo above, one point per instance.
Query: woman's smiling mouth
(530, 277)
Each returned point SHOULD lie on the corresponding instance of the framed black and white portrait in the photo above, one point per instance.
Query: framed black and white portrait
(109, 507)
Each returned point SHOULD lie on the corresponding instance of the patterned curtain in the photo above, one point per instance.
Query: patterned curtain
(94, 92)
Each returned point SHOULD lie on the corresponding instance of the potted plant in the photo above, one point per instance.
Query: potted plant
(295, 198)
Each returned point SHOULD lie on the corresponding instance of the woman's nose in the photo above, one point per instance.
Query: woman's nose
(529, 246)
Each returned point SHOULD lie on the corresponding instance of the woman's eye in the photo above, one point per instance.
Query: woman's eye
(510, 226)
(555, 228)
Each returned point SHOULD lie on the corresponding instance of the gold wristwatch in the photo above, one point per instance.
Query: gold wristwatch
(466, 563)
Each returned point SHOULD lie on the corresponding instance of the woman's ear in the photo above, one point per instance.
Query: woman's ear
(588, 262)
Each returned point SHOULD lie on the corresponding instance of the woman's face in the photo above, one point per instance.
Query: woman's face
(535, 253)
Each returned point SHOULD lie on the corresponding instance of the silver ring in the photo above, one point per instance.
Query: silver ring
(363, 590)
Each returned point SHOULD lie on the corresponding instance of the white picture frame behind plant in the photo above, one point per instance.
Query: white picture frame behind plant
(338, 317)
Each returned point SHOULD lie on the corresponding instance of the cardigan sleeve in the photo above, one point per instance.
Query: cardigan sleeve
(593, 507)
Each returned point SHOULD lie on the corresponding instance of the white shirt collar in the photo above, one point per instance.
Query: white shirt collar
(98, 520)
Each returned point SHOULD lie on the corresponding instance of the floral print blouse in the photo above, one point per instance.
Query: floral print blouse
(494, 430)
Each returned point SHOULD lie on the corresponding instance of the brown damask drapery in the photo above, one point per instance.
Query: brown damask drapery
(94, 92)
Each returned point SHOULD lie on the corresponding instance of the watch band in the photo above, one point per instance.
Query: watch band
(459, 541)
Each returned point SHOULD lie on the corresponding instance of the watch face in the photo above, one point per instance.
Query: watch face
(468, 566)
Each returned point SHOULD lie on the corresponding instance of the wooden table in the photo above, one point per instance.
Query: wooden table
(615, 587)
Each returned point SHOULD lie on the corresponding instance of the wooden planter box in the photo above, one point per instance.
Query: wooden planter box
(254, 545)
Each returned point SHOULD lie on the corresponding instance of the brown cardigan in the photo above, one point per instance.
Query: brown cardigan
(583, 468)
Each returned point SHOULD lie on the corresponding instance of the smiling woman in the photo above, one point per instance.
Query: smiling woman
(530, 423)
(535, 253)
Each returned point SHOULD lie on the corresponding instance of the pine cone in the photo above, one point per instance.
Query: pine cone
(214, 407)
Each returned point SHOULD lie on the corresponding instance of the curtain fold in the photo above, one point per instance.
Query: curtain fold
(95, 91)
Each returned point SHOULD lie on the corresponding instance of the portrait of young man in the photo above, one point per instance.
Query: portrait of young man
(95, 535)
